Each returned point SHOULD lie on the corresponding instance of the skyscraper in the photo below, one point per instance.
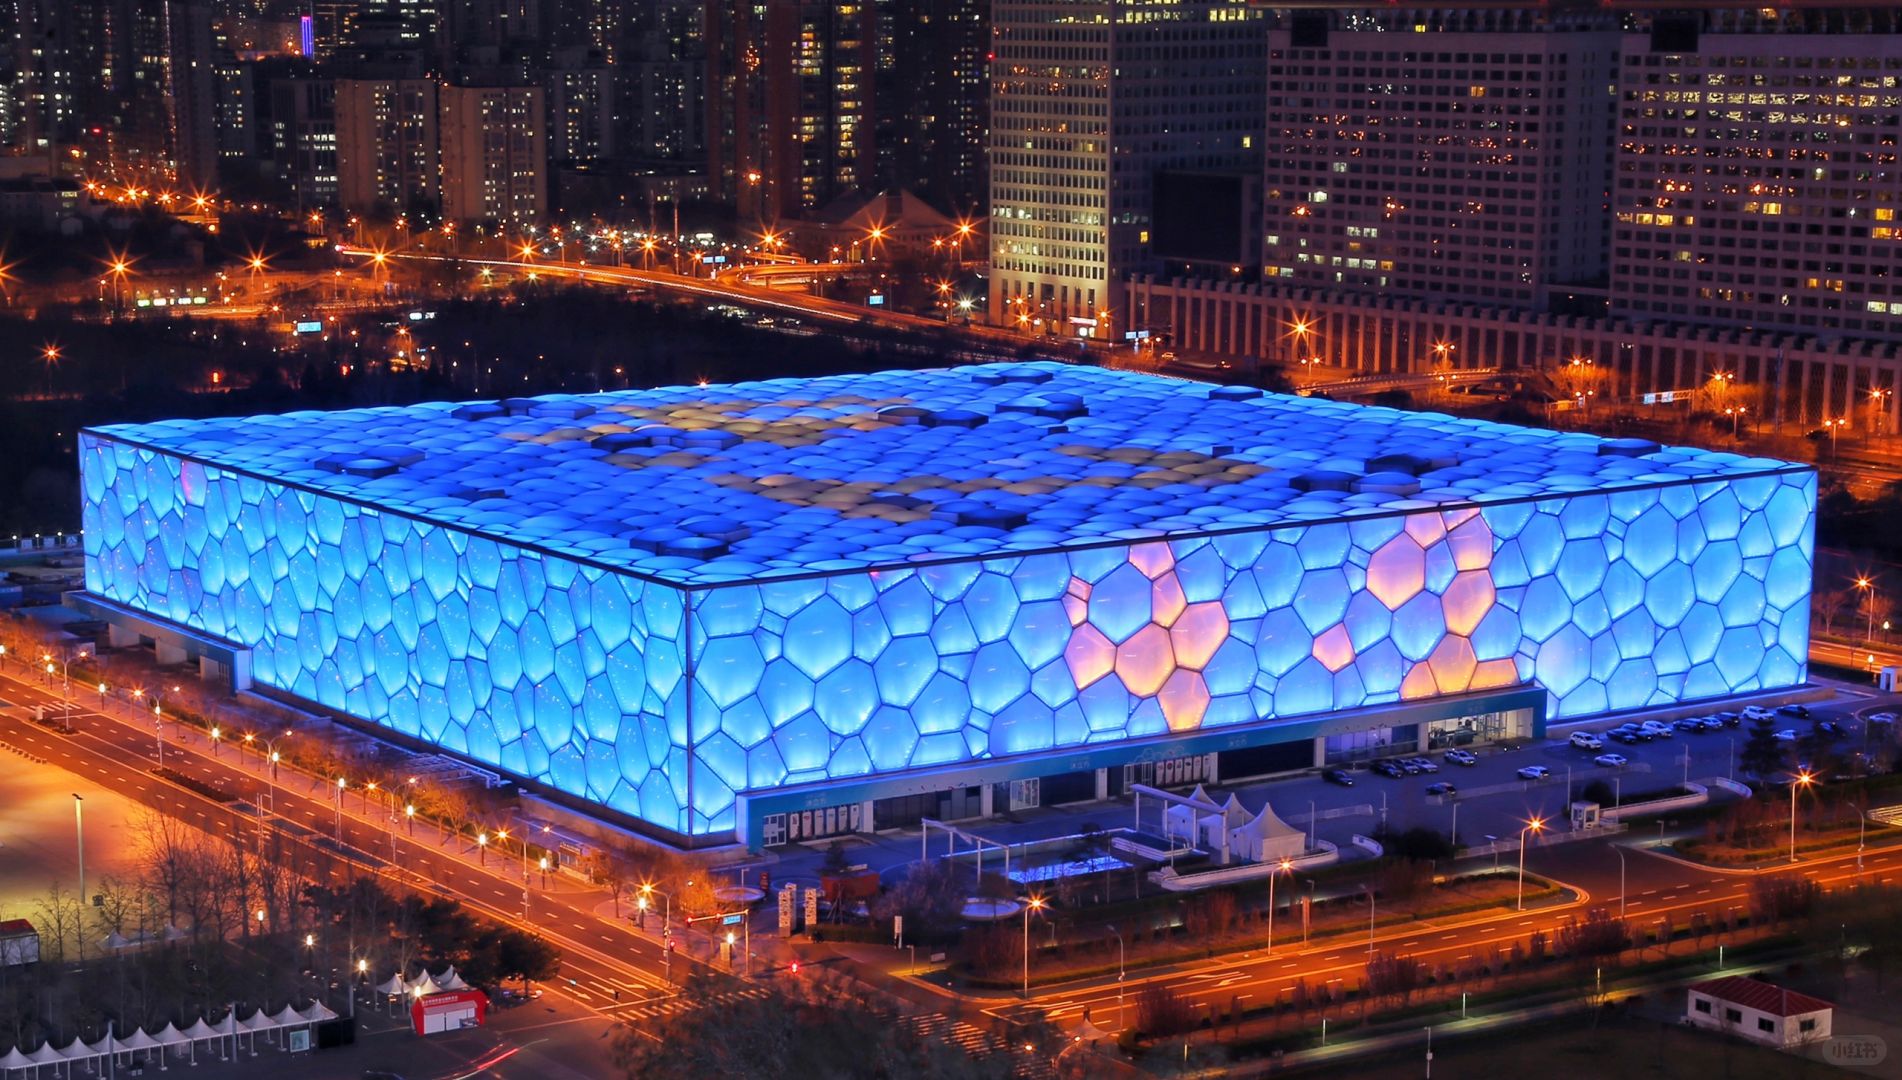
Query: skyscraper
(494, 153)
(933, 101)
(388, 150)
(1757, 180)
(1089, 100)
(1448, 153)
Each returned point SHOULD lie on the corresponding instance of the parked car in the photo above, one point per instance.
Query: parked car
(1690, 723)
(1462, 757)
(1831, 728)
(1612, 761)
(1801, 712)
(1756, 712)
(1881, 718)
(1729, 719)
(1713, 723)
(1658, 729)
(1387, 768)
(1534, 772)
(1338, 776)
(1786, 735)
(1408, 766)
(1441, 787)
(1632, 733)
(1585, 740)
(1426, 764)
(1626, 736)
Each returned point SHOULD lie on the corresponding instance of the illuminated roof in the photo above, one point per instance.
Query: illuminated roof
(700, 485)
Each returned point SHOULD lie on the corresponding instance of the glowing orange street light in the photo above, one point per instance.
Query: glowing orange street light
(1802, 779)
(1534, 826)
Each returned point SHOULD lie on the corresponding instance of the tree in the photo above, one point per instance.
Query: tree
(1163, 1012)
(58, 916)
(1390, 975)
(525, 956)
(1596, 938)
(930, 899)
(1762, 754)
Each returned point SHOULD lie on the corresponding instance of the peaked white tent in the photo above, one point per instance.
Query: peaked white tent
(15, 1060)
(77, 1050)
(1266, 838)
(45, 1055)
(397, 986)
(317, 1012)
(449, 980)
(200, 1032)
(426, 987)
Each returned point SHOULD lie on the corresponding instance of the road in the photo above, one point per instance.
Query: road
(607, 966)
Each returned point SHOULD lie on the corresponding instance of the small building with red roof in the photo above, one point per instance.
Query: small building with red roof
(1759, 1011)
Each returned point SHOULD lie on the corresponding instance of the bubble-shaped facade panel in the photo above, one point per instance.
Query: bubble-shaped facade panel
(718, 593)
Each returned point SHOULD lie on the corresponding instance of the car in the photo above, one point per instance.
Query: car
(1338, 776)
(1585, 740)
(1801, 712)
(1881, 718)
(1629, 738)
(1786, 735)
(1729, 719)
(1534, 772)
(1690, 723)
(1831, 728)
(1612, 761)
(1441, 787)
(1387, 769)
(1756, 712)
(1425, 764)
(1461, 757)
(1658, 729)
(1407, 765)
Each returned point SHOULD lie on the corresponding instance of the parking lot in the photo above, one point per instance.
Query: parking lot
(1493, 800)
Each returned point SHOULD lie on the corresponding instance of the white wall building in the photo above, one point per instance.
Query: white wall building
(1758, 1011)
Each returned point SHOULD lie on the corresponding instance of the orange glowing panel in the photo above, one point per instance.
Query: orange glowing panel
(1418, 683)
(1472, 544)
(1426, 529)
(1090, 655)
(1077, 608)
(1467, 600)
(1145, 661)
(1396, 572)
(1154, 560)
(1453, 662)
(1198, 633)
(1184, 700)
(1166, 600)
(1334, 649)
(1493, 674)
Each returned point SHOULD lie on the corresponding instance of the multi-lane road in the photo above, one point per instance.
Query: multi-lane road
(607, 965)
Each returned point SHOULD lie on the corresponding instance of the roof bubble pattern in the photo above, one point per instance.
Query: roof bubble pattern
(706, 485)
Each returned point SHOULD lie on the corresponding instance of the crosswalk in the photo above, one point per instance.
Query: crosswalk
(673, 1004)
(978, 1043)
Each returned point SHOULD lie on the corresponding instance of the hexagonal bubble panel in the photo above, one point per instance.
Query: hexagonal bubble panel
(581, 675)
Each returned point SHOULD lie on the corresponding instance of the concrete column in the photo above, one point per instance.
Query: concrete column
(987, 801)
(1209, 767)
(1102, 784)
(1320, 751)
(865, 817)
(1421, 741)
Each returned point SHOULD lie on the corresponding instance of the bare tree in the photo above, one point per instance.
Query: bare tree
(58, 915)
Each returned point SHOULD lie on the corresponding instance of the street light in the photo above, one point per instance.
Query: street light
(1803, 780)
(1285, 866)
(1035, 904)
(1868, 589)
(1533, 826)
(1120, 971)
(482, 848)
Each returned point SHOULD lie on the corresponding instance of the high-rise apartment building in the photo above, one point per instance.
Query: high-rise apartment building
(934, 100)
(494, 153)
(190, 94)
(581, 89)
(664, 113)
(790, 103)
(1089, 100)
(1443, 153)
(301, 127)
(388, 150)
(1757, 183)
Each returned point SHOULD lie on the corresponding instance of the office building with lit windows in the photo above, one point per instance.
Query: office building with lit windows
(779, 610)
(1464, 154)
(1757, 181)
(1090, 99)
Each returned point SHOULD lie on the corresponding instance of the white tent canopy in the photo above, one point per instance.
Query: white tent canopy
(317, 1012)
(1267, 838)
(449, 980)
(139, 1041)
(256, 1022)
(426, 987)
(200, 1031)
(46, 1055)
(397, 985)
(15, 1060)
(171, 1036)
(287, 1017)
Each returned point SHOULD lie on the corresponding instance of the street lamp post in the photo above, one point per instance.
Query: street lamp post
(1120, 954)
(1035, 904)
(340, 789)
(1803, 780)
(79, 828)
(1370, 920)
(1280, 868)
(1533, 826)
(1868, 589)
(1621, 881)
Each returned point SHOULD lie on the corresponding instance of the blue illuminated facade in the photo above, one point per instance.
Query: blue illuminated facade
(669, 602)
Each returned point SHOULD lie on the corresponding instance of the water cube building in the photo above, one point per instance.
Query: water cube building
(787, 609)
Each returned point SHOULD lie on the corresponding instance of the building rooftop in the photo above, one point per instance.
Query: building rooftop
(1762, 996)
(702, 485)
